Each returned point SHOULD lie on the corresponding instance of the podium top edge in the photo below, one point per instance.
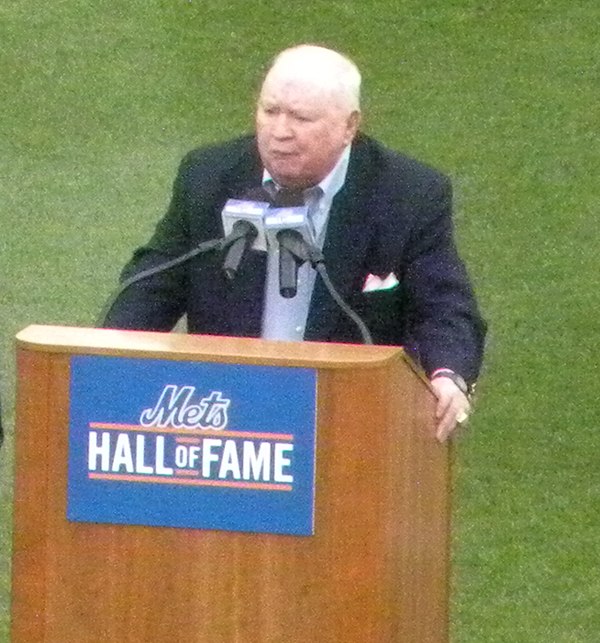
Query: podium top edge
(177, 346)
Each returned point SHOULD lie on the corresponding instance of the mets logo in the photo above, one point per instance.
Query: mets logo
(176, 408)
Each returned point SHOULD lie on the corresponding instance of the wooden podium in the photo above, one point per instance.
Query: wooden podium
(376, 569)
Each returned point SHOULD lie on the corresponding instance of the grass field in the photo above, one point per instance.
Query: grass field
(101, 100)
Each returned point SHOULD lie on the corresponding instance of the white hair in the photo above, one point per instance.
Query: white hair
(319, 67)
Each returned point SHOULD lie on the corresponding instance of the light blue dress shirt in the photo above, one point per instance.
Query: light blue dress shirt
(285, 318)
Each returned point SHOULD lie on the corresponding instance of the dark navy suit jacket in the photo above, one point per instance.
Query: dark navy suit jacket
(392, 215)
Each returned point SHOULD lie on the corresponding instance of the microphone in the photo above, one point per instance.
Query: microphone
(243, 226)
(287, 225)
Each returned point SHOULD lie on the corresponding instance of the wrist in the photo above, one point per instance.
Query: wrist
(456, 378)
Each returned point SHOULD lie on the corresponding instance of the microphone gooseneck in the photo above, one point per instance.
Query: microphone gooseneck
(206, 246)
(239, 238)
(344, 307)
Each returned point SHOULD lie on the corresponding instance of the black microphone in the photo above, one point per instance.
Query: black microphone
(293, 252)
(287, 225)
(243, 227)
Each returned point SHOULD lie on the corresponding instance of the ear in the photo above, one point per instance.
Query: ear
(352, 125)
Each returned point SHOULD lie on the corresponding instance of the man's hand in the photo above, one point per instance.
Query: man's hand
(452, 408)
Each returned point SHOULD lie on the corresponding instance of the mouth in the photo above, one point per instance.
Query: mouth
(282, 154)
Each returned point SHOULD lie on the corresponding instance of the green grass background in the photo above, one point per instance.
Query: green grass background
(101, 99)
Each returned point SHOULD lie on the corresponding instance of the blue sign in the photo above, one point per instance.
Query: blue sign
(195, 445)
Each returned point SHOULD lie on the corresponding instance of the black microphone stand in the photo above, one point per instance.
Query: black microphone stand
(239, 233)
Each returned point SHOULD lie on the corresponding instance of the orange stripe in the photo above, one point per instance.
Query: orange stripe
(262, 486)
(203, 432)
(186, 472)
(183, 440)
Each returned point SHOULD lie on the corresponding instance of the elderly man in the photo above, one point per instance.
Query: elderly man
(383, 221)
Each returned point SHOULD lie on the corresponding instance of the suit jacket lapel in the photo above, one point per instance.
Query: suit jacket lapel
(348, 237)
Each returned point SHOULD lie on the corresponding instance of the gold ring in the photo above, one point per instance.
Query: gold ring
(462, 417)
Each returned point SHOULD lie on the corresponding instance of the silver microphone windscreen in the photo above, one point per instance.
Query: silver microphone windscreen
(249, 210)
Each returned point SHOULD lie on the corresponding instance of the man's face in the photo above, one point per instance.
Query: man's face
(301, 131)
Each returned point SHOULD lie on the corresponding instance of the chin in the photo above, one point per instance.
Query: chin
(287, 177)
(294, 182)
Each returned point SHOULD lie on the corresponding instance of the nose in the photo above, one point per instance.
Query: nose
(281, 126)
